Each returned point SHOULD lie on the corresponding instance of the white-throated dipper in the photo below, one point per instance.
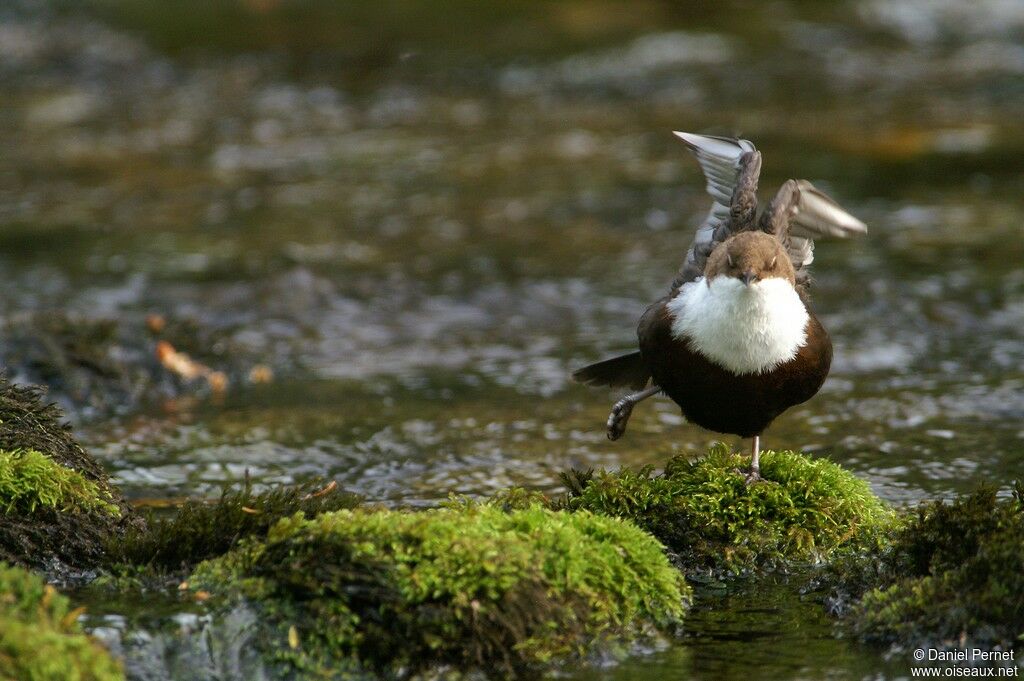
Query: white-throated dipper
(735, 342)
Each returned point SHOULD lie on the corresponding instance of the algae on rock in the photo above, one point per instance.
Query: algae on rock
(40, 639)
(469, 588)
(705, 512)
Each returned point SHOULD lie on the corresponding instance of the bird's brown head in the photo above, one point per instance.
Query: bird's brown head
(750, 257)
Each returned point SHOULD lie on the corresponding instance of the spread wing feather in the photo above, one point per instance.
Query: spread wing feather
(801, 213)
(723, 160)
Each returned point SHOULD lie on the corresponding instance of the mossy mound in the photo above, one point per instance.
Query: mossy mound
(467, 588)
(705, 512)
(40, 639)
(56, 503)
(201, 530)
(952, 574)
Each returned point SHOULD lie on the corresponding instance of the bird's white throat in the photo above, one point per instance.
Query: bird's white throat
(745, 329)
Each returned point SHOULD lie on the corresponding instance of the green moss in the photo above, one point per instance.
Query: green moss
(201, 530)
(952, 572)
(57, 506)
(40, 639)
(30, 480)
(473, 588)
(705, 512)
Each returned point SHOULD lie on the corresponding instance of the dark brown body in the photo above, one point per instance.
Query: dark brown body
(717, 399)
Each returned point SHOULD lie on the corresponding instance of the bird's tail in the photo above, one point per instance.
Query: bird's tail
(625, 370)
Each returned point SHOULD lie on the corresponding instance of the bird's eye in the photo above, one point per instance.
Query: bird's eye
(771, 265)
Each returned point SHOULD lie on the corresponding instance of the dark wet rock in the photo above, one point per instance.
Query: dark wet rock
(57, 507)
(95, 367)
(40, 638)
(84, 363)
(465, 588)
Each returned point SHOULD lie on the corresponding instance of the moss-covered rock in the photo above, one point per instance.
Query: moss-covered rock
(30, 481)
(200, 530)
(949, 574)
(40, 639)
(57, 507)
(705, 512)
(471, 588)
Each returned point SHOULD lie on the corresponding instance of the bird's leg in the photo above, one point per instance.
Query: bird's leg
(755, 461)
(622, 409)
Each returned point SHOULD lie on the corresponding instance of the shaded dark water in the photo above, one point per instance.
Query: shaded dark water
(423, 220)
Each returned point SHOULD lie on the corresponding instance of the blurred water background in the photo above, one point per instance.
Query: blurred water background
(419, 217)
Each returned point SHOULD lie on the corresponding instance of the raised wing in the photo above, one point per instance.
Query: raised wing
(801, 213)
(731, 167)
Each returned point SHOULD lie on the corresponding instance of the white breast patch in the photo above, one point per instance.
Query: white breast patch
(745, 329)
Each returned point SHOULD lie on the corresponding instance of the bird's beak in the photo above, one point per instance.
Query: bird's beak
(748, 277)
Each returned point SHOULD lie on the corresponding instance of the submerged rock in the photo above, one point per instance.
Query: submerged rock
(95, 367)
(706, 513)
(470, 588)
(951, 574)
(57, 507)
(40, 639)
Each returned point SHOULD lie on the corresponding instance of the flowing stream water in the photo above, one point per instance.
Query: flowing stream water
(422, 219)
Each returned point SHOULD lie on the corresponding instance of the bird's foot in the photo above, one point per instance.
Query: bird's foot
(619, 417)
(751, 476)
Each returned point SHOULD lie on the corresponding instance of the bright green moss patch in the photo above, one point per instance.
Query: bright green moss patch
(473, 587)
(952, 573)
(30, 480)
(40, 639)
(704, 510)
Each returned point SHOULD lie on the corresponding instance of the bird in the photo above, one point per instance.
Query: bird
(735, 342)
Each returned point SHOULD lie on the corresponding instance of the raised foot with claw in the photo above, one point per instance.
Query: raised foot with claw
(619, 418)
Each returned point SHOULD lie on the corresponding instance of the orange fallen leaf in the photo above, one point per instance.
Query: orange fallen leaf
(218, 381)
(179, 362)
(330, 487)
(261, 373)
(72, 617)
